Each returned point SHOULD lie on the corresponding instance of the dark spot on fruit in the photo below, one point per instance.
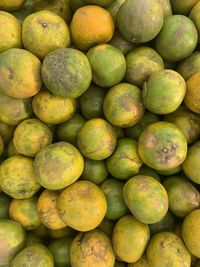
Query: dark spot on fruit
(167, 153)
(162, 244)
(43, 24)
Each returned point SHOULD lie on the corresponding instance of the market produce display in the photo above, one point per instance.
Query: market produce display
(100, 133)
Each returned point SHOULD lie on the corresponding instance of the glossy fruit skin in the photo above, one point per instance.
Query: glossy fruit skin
(139, 29)
(40, 42)
(191, 232)
(82, 254)
(60, 250)
(191, 164)
(130, 238)
(142, 62)
(164, 92)
(146, 198)
(192, 98)
(20, 72)
(47, 210)
(116, 207)
(23, 183)
(106, 57)
(97, 139)
(167, 248)
(41, 256)
(13, 239)
(56, 156)
(177, 39)
(10, 32)
(125, 161)
(162, 146)
(78, 201)
(59, 69)
(123, 105)
(183, 196)
(91, 25)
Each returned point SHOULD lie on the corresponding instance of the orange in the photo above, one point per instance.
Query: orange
(91, 25)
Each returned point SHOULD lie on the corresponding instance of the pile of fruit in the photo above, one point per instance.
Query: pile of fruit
(99, 133)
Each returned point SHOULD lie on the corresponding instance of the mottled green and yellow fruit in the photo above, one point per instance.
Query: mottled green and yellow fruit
(60, 7)
(191, 232)
(14, 110)
(82, 206)
(195, 17)
(136, 130)
(94, 171)
(145, 170)
(13, 239)
(60, 250)
(43, 32)
(97, 139)
(192, 97)
(24, 211)
(142, 262)
(92, 248)
(113, 9)
(68, 130)
(35, 255)
(30, 136)
(125, 161)
(167, 249)
(6, 131)
(137, 28)
(130, 238)
(116, 207)
(52, 109)
(164, 92)
(11, 5)
(10, 32)
(146, 198)
(11, 150)
(183, 196)
(107, 226)
(17, 178)
(165, 224)
(183, 7)
(171, 171)
(66, 72)
(120, 42)
(177, 39)
(162, 146)
(20, 73)
(141, 63)
(47, 210)
(123, 105)
(191, 165)
(189, 66)
(166, 6)
(91, 25)
(4, 205)
(187, 121)
(62, 157)
(91, 102)
(108, 65)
